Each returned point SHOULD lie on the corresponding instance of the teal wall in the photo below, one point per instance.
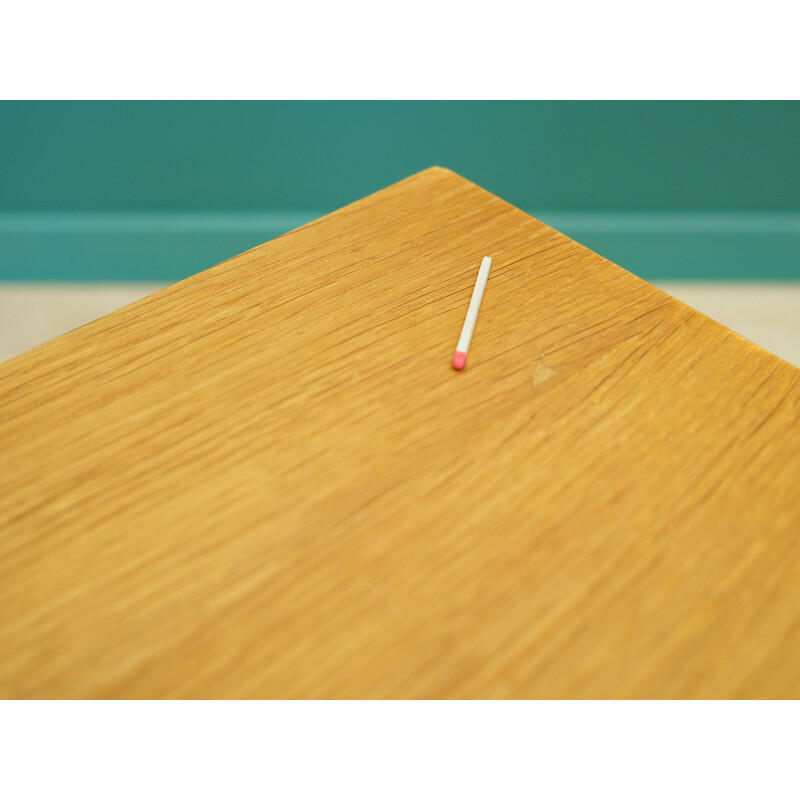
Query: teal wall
(117, 190)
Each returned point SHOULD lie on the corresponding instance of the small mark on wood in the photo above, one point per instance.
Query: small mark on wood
(542, 373)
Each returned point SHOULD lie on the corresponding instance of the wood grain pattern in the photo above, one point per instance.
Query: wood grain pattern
(266, 481)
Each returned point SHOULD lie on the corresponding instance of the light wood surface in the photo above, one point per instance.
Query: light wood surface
(266, 481)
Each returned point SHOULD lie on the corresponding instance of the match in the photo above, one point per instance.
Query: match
(460, 355)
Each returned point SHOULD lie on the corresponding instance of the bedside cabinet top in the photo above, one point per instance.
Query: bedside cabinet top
(267, 481)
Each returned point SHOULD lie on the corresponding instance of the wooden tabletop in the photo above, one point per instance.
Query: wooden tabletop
(267, 481)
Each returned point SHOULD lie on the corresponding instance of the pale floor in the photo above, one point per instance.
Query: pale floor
(766, 313)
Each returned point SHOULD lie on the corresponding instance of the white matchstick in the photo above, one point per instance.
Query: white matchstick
(460, 356)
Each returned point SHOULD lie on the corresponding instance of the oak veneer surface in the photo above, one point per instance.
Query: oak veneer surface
(266, 480)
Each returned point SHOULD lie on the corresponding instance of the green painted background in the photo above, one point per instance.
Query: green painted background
(126, 191)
